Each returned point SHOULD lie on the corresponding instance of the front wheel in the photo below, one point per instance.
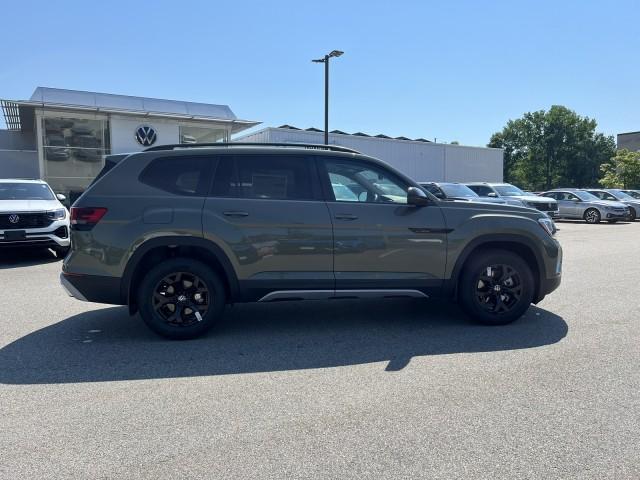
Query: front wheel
(632, 215)
(592, 215)
(181, 298)
(496, 287)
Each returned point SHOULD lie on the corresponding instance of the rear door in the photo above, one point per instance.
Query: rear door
(266, 211)
(381, 242)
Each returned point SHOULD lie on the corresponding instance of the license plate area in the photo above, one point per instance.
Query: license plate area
(15, 235)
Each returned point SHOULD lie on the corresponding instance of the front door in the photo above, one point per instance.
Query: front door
(266, 211)
(380, 242)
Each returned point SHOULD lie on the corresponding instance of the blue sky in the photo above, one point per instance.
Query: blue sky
(449, 70)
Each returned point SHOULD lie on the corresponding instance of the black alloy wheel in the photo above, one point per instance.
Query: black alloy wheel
(181, 299)
(498, 289)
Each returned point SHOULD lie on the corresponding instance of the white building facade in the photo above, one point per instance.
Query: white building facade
(419, 159)
(62, 136)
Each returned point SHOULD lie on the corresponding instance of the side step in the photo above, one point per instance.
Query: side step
(283, 295)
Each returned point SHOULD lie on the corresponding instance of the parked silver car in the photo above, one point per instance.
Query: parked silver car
(514, 196)
(576, 204)
(456, 191)
(632, 193)
(614, 194)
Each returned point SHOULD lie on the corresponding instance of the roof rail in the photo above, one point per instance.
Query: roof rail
(310, 146)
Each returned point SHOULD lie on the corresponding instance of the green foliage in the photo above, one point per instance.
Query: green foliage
(555, 148)
(622, 171)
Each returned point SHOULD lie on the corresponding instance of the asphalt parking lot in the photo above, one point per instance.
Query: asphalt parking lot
(343, 389)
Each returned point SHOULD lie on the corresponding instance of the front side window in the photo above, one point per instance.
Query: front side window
(458, 190)
(369, 183)
(481, 190)
(179, 175)
(25, 191)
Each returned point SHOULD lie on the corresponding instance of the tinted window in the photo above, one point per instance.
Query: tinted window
(481, 190)
(458, 190)
(179, 175)
(555, 195)
(509, 191)
(269, 177)
(371, 184)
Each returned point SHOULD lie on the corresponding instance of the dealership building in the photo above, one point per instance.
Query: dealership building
(62, 137)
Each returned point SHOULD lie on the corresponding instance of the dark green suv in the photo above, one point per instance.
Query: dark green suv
(178, 232)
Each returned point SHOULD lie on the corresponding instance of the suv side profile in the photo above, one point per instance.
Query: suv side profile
(178, 232)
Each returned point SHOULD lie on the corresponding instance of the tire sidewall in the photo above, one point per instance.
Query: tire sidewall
(156, 274)
(468, 286)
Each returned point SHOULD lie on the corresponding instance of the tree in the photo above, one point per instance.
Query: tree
(622, 171)
(547, 149)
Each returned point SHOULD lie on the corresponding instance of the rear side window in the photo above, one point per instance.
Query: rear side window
(268, 177)
(179, 175)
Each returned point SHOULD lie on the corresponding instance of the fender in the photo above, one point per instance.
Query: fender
(180, 241)
(451, 284)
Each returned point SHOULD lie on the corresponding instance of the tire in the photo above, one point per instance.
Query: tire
(592, 215)
(185, 283)
(61, 252)
(632, 214)
(482, 300)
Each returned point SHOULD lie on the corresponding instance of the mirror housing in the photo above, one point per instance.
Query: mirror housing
(417, 197)
(61, 197)
(576, 200)
(492, 195)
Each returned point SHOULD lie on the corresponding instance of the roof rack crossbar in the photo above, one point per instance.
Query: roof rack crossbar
(310, 146)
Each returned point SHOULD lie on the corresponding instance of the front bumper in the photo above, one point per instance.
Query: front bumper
(616, 215)
(57, 234)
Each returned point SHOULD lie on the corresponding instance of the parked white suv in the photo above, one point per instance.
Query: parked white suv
(31, 215)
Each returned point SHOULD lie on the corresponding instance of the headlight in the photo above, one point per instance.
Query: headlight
(58, 214)
(547, 224)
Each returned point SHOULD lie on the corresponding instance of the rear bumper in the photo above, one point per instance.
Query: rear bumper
(92, 288)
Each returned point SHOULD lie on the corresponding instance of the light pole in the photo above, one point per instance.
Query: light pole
(325, 60)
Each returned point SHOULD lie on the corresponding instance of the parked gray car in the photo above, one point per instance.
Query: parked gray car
(514, 196)
(178, 232)
(457, 191)
(579, 204)
(615, 195)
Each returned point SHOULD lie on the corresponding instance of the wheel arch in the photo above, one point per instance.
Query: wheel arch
(155, 250)
(521, 246)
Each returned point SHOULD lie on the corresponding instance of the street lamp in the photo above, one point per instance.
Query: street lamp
(325, 60)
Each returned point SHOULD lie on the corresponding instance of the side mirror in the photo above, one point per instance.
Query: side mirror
(417, 197)
(576, 200)
(492, 195)
(60, 197)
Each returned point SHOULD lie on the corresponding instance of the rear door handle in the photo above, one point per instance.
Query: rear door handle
(235, 214)
(345, 216)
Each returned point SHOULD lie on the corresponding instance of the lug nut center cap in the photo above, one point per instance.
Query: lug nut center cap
(182, 298)
(497, 288)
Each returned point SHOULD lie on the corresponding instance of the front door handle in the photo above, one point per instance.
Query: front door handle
(235, 214)
(345, 216)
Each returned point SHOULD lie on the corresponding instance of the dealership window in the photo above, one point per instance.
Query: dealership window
(73, 151)
(203, 135)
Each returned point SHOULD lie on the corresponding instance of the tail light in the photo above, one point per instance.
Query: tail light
(85, 218)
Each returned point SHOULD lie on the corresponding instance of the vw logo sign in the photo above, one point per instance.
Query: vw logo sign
(13, 218)
(146, 135)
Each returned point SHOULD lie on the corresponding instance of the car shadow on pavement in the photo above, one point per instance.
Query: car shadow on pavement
(108, 345)
(23, 257)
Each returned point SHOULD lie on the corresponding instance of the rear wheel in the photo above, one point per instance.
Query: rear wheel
(592, 215)
(181, 298)
(496, 287)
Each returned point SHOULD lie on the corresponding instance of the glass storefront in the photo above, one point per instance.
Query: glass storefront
(203, 135)
(73, 150)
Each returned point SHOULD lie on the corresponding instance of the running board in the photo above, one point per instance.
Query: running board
(282, 295)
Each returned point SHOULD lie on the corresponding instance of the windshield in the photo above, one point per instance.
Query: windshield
(633, 193)
(586, 196)
(621, 195)
(509, 191)
(456, 190)
(25, 191)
